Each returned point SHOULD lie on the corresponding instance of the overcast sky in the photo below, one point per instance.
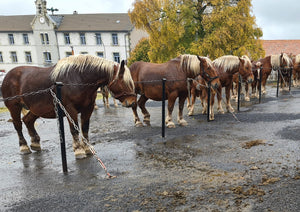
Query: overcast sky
(279, 19)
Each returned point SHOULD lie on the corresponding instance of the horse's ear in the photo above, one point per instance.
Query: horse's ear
(242, 60)
(122, 69)
(202, 60)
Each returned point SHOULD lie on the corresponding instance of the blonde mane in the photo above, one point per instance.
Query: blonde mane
(247, 59)
(275, 61)
(228, 62)
(191, 63)
(289, 61)
(80, 64)
(297, 58)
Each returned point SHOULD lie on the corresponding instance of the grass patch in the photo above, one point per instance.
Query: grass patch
(3, 109)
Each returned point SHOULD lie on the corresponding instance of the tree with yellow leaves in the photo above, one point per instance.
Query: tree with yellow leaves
(211, 28)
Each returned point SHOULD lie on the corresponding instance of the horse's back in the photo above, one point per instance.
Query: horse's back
(24, 78)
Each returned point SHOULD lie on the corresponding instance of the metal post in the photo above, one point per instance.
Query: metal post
(290, 78)
(239, 92)
(163, 115)
(61, 128)
(208, 101)
(278, 78)
(259, 85)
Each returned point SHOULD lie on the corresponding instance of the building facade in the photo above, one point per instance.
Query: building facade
(43, 39)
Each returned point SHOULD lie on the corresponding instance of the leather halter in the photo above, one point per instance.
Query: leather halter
(122, 94)
(205, 74)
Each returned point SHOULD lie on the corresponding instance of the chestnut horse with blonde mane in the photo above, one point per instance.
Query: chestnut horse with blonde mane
(226, 67)
(269, 63)
(81, 75)
(148, 83)
(296, 70)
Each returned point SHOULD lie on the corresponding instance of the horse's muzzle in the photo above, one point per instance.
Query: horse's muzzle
(250, 79)
(128, 104)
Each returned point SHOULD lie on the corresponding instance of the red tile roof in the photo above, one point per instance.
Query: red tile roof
(279, 46)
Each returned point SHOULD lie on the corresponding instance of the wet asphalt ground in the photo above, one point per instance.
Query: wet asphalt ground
(224, 165)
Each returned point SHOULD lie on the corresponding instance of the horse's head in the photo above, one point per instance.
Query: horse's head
(208, 72)
(286, 63)
(245, 69)
(122, 86)
(256, 68)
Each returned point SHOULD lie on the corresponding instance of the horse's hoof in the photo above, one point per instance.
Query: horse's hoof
(221, 112)
(247, 99)
(147, 123)
(170, 125)
(36, 147)
(139, 124)
(88, 151)
(80, 154)
(182, 123)
(191, 113)
(24, 150)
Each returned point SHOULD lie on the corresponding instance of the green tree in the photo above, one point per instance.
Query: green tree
(140, 52)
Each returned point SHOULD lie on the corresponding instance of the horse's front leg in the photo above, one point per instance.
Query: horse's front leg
(247, 96)
(78, 148)
(219, 97)
(191, 104)
(180, 119)
(137, 120)
(85, 125)
(29, 120)
(171, 102)
(211, 109)
(141, 102)
(228, 104)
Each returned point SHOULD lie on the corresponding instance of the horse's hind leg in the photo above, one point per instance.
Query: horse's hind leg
(15, 111)
(180, 120)
(29, 120)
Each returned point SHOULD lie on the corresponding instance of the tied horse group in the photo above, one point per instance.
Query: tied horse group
(125, 84)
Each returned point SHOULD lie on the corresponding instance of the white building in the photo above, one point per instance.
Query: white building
(42, 39)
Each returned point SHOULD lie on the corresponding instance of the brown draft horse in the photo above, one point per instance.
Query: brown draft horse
(82, 75)
(269, 63)
(226, 67)
(296, 70)
(148, 83)
(256, 66)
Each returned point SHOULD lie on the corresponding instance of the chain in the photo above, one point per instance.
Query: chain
(26, 94)
(92, 149)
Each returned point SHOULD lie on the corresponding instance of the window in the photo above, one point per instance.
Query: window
(47, 38)
(83, 52)
(47, 57)
(67, 38)
(14, 57)
(68, 54)
(1, 57)
(98, 39)
(11, 39)
(25, 39)
(28, 57)
(115, 39)
(116, 57)
(44, 38)
(82, 39)
(100, 54)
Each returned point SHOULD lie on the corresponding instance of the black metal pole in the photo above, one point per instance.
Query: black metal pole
(259, 85)
(290, 78)
(278, 78)
(163, 115)
(239, 92)
(208, 101)
(61, 128)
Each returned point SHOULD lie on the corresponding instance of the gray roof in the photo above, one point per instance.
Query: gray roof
(74, 22)
(19, 23)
